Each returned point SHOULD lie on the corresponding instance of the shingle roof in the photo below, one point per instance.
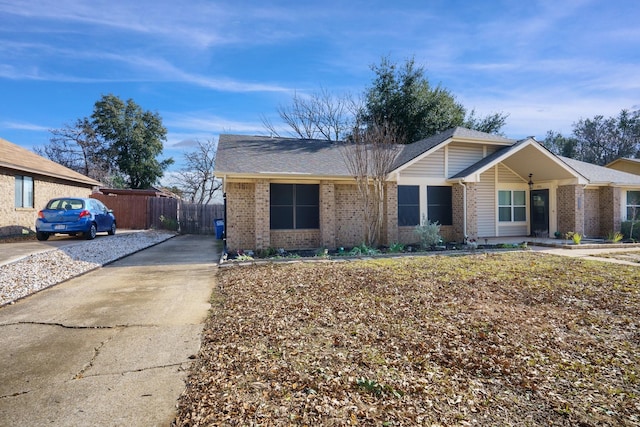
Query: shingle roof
(411, 151)
(243, 154)
(600, 174)
(17, 158)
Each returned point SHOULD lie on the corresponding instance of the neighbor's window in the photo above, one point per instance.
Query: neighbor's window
(24, 191)
(633, 205)
(512, 205)
(294, 206)
(408, 205)
(439, 205)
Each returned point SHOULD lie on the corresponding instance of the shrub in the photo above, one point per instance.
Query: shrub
(168, 223)
(396, 248)
(428, 232)
(614, 237)
(626, 228)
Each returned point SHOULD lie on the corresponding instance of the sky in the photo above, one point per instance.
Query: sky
(209, 67)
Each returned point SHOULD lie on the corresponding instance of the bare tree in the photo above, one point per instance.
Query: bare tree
(320, 115)
(196, 180)
(369, 154)
(78, 147)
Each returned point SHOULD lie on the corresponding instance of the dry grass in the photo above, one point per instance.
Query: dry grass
(489, 339)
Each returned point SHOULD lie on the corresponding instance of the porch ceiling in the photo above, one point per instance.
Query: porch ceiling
(544, 167)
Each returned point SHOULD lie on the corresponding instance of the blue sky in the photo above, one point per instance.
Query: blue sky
(211, 67)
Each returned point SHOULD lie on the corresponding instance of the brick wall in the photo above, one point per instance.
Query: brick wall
(570, 209)
(13, 220)
(390, 231)
(592, 214)
(295, 239)
(610, 219)
(262, 214)
(241, 209)
(327, 215)
(349, 216)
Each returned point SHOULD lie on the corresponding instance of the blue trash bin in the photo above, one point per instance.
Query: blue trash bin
(219, 224)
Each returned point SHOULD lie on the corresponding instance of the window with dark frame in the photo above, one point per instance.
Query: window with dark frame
(294, 206)
(408, 205)
(439, 204)
(24, 192)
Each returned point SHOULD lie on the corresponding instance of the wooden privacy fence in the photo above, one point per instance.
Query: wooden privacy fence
(143, 212)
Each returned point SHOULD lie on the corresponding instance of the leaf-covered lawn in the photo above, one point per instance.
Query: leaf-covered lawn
(488, 339)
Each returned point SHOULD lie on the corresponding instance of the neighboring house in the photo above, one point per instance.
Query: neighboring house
(28, 181)
(626, 165)
(295, 194)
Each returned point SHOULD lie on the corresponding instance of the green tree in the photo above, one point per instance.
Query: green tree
(403, 97)
(134, 139)
(560, 145)
(600, 140)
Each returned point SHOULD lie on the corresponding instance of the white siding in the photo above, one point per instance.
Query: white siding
(513, 230)
(461, 156)
(431, 166)
(486, 204)
(505, 176)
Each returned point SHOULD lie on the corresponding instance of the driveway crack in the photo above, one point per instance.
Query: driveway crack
(18, 393)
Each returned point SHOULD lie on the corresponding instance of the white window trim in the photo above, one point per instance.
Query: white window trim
(512, 206)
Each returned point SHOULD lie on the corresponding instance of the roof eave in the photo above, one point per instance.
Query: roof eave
(87, 181)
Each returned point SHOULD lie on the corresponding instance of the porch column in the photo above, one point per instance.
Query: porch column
(570, 200)
(458, 207)
(390, 230)
(610, 217)
(262, 216)
(327, 215)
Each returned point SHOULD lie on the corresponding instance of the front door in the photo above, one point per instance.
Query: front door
(540, 213)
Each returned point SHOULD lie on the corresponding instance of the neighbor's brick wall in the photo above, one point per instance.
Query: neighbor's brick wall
(569, 215)
(241, 210)
(592, 213)
(349, 216)
(610, 217)
(13, 220)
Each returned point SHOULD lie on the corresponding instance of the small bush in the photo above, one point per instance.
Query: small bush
(396, 248)
(428, 232)
(168, 223)
(614, 237)
(625, 228)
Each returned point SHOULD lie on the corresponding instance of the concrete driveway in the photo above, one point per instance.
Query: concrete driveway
(111, 347)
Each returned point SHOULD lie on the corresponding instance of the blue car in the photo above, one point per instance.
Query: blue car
(73, 215)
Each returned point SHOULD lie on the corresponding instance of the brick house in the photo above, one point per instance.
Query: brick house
(295, 193)
(28, 181)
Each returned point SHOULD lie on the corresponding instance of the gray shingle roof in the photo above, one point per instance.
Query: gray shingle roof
(600, 174)
(241, 154)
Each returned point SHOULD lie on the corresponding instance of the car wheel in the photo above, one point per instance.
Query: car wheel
(42, 236)
(112, 230)
(91, 234)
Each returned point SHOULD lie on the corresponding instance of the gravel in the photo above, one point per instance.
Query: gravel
(41, 270)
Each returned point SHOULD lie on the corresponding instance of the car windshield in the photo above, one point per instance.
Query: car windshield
(66, 204)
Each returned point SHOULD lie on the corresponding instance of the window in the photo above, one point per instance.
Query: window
(633, 205)
(294, 206)
(439, 205)
(512, 206)
(408, 205)
(24, 192)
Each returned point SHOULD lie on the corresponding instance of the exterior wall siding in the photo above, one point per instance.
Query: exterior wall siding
(431, 166)
(391, 213)
(327, 215)
(262, 215)
(461, 155)
(295, 239)
(14, 220)
(485, 211)
(349, 216)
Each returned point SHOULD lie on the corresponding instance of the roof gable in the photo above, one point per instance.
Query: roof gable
(20, 159)
(602, 175)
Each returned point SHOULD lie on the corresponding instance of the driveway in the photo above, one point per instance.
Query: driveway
(111, 347)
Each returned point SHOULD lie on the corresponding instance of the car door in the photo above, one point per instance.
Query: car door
(101, 215)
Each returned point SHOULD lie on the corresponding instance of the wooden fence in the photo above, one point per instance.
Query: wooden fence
(143, 212)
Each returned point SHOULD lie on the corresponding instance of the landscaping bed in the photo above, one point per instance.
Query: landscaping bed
(515, 338)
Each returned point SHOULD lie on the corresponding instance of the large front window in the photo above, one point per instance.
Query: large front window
(24, 192)
(512, 206)
(294, 206)
(439, 205)
(408, 205)
(633, 205)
